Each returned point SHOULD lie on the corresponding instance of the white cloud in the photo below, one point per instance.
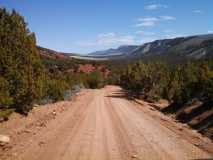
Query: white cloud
(145, 33)
(148, 19)
(174, 35)
(167, 18)
(155, 6)
(198, 11)
(147, 22)
(112, 38)
(151, 21)
(146, 40)
(168, 31)
(109, 39)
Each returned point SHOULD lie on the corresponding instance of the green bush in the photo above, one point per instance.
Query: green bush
(5, 99)
(94, 80)
(178, 84)
(19, 62)
(23, 78)
(5, 113)
(56, 89)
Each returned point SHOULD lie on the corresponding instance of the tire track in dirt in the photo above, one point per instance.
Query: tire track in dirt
(101, 126)
(140, 146)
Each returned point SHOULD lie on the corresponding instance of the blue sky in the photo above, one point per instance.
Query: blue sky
(83, 26)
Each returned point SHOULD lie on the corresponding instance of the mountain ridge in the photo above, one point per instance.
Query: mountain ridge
(191, 47)
(175, 50)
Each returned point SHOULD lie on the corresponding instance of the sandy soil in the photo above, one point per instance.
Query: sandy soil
(100, 125)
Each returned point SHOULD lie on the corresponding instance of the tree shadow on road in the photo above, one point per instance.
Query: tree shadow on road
(121, 94)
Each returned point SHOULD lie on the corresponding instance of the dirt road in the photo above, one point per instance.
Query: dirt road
(102, 125)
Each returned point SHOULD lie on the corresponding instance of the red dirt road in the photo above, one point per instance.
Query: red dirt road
(101, 125)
